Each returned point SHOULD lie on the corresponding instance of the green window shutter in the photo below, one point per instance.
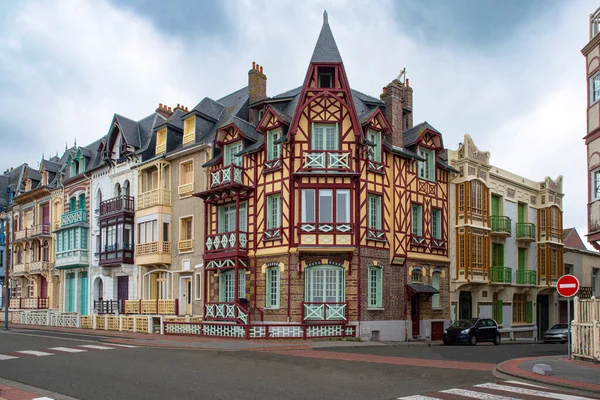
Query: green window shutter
(495, 205)
(521, 214)
(417, 220)
(501, 254)
(277, 211)
(72, 204)
(226, 155)
(521, 265)
(529, 312)
(378, 212)
(499, 312)
(221, 217)
(242, 284)
(82, 202)
(435, 282)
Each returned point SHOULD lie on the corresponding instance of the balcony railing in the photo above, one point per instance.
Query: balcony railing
(161, 148)
(376, 234)
(313, 311)
(500, 225)
(155, 197)
(594, 24)
(226, 312)
(117, 204)
(525, 231)
(143, 249)
(526, 277)
(72, 257)
(327, 160)
(551, 234)
(154, 306)
(325, 227)
(186, 245)
(189, 138)
(272, 234)
(119, 253)
(186, 189)
(419, 241)
(108, 306)
(74, 217)
(19, 235)
(226, 176)
(226, 241)
(39, 266)
(22, 268)
(31, 303)
(501, 274)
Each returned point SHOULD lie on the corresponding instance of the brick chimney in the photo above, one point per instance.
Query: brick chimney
(164, 110)
(397, 97)
(257, 88)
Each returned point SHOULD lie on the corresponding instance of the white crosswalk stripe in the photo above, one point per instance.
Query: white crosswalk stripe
(123, 345)
(96, 347)
(505, 390)
(5, 357)
(67, 349)
(35, 353)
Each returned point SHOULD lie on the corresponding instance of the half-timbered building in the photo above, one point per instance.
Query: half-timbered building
(326, 212)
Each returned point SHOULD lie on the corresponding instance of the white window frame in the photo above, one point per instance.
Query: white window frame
(374, 205)
(229, 211)
(435, 299)
(595, 185)
(324, 284)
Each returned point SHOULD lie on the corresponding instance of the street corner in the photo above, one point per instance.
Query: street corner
(13, 393)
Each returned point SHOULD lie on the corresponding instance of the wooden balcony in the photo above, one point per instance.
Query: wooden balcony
(117, 205)
(418, 241)
(155, 197)
(232, 174)
(143, 249)
(74, 217)
(20, 269)
(185, 245)
(20, 235)
(526, 277)
(39, 267)
(326, 161)
(500, 225)
(375, 166)
(227, 243)
(186, 189)
(151, 307)
(161, 148)
(39, 230)
(189, 138)
(272, 234)
(72, 258)
(500, 274)
(525, 231)
(30, 303)
(312, 311)
(234, 312)
(116, 254)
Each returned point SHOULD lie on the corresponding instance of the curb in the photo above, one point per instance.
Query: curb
(550, 381)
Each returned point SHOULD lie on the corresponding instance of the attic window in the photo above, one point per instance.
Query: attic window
(326, 77)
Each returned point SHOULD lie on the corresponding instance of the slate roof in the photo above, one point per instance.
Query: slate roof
(129, 129)
(423, 288)
(4, 182)
(572, 239)
(210, 108)
(326, 50)
(403, 151)
(51, 166)
(410, 136)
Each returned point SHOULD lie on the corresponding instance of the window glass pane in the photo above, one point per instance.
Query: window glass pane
(308, 205)
(416, 220)
(343, 206)
(325, 205)
(242, 284)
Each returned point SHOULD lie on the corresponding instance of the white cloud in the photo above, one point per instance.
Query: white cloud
(70, 66)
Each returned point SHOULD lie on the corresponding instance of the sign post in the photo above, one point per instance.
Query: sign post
(567, 286)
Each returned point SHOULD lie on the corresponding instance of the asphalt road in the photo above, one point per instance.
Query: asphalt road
(145, 373)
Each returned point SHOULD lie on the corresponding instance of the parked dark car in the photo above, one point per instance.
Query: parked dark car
(472, 331)
(558, 333)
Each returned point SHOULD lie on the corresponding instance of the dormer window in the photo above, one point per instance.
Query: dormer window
(74, 167)
(230, 153)
(325, 76)
(427, 167)
(189, 131)
(161, 141)
(325, 137)
(273, 149)
(375, 150)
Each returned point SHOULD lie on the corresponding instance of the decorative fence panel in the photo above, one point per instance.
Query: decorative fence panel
(585, 329)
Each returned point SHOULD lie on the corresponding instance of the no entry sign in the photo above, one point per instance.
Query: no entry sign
(567, 285)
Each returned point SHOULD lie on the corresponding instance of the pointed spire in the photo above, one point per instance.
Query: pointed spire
(75, 142)
(326, 50)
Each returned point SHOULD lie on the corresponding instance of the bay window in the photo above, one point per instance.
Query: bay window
(227, 218)
(324, 284)
(227, 285)
(324, 137)
(230, 154)
(318, 206)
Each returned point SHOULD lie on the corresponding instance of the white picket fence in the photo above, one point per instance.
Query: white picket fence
(586, 330)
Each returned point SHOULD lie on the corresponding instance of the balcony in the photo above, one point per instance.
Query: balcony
(500, 275)
(186, 189)
(189, 138)
(31, 303)
(226, 312)
(20, 269)
(144, 249)
(20, 235)
(551, 234)
(326, 160)
(500, 225)
(117, 204)
(227, 242)
(116, 254)
(525, 231)
(72, 258)
(39, 230)
(155, 197)
(312, 311)
(185, 245)
(39, 266)
(376, 234)
(418, 241)
(74, 217)
(526, 277)
(161, 148)
(232, 174)
(151, 307)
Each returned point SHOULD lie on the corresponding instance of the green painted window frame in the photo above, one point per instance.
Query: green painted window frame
(436, 223)
(496, 209)
(522, 212)
(435, 283)
(521, 258)
(227, 215)
(274, 211)
(81, 202)
(273, 150)
(327, 139)
(229, 153)
(498, 254)
(227, 285)
(375, 137)
(273, 287)
(325, 284)
(417, 219)
(375, 211)
(529, 312)
(426, 168)
(375, 287)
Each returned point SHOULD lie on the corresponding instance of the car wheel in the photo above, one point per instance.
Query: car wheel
(446, 342)
(497, 340)
(473, 340)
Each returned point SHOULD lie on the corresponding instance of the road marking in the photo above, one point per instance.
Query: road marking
(476, 395)
(531, 392)
(96, 347)
(122, 345)
(35, 353)
(67, 349)
(3, 357)
(418, 397)
(526, 384)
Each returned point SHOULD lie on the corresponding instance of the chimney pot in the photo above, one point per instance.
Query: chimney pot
(253, 65)
(169, 108)
(261, 69)
(177, 105)
(407, 85)
(159, 105)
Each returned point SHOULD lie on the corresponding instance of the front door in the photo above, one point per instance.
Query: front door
(123, 288)
(185, 296)
(415, 315)
(84, 294)
(43, 287)
(464, 305)
(543, 314)
(71, 292)
(46, 214)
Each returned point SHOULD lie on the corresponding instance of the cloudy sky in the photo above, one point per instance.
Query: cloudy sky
(509, 73)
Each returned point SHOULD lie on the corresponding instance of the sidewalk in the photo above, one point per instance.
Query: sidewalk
(571, 374)
(10, 390)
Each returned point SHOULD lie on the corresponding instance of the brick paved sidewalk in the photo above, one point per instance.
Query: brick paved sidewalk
(572, 374)
(10, 390)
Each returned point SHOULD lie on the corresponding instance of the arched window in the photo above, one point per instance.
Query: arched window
(98, 198)
(324, 284)
(435, 282)
(375, 287)
(416, 274)
(272, 287)
(117, 190)
(126, 190)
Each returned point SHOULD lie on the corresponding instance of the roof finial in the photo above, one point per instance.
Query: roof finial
(325, 17)
(75, 142)
(66, 146)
